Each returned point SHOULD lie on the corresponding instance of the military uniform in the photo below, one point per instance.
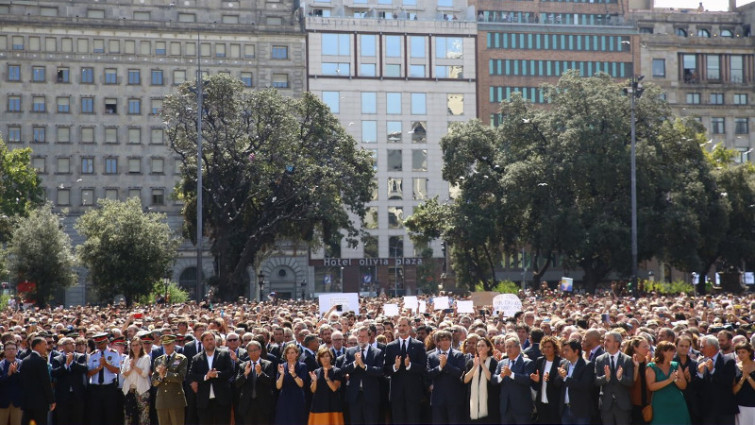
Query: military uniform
(170, 400)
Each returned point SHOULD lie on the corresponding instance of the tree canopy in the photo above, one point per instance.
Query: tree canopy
(125, 249)
(556, 180)
(274, 168)
(20, 190)
(40, 251)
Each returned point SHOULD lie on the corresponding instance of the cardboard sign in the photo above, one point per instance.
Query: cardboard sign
(566, 285)
(390, 310)
(349, 301)
(411, 302)
(508, 304)
(481, 299)
(466, 306)
(440, 303)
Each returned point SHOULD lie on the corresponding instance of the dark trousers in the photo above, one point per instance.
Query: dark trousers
(364, 411)
(713, 418)
(69, 412)
(191, 405)
(547, 413)
(637, 416)
(102, 405)
(215, 413)
(38, 416)
(513, 417)
(404, 411)
(568, 418)
(257, 413)
(447, 413)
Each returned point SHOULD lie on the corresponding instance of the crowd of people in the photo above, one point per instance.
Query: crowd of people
(563, 359)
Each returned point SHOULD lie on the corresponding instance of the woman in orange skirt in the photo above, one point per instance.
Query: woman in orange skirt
(327, 406)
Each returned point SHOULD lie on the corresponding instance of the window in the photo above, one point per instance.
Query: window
(145, 48)
(681, 32)
(87, 75)
(64, 105)
(187, 17)
(713, 67)
(249, 50)
(371, 218)
(716, 99)
(87, 197)
(111, 135)
(14, 72)
(179, 77)
(175, 48)
(367, 45)
(396, 246)
(395, 160)
(111, 165)
(114, 46)
(246, 78)
(689, 63)
(134, 165)
(455, 104)
(111, 76)
(111, 106)
(718, 125)
(449, 71)
(38, 163)
(395, 189)
(111, 194)
(702, 32)
(333, 100)
(659, 68)
(273, 20)
(280, 52)
(64, 197)
(38, 104)
(392, 70)
(156, 136)
(737, 68)
(693, 98)
(134, 136)
(38, 74)
(220, 50)
(417, 71)
(336, 68)
(160, 49)
(369, 131)
(134, 76)
(393, 131)
(393, 103)
(135, 193)
(280, 81)
(396, 219)
(335, 44)
(158, 197)
(367, 69)
(14, 103)
(417, 47)
(39, 134)
(87, 135)
(63, 75)
(419, 132)
(66, 44)
(63, 165)
(87, 105)
(741, 126)
(157, 165)
(448, 47)
(740, 98)
(63, 134)
(419, 103)
(134, 106)
(87, 165)
(369, 102)
(393, 46)
(419, 160)
(419, 188)
(17, 42)
(230, 19)
(155, 106)
(14, 134)
(157, 77)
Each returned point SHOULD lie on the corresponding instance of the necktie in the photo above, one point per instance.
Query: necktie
(101, 375)
(254, 379)
(613, 365)
(403, 348)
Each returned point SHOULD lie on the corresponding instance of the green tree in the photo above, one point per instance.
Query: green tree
(274, 168)
(40, 251)
(125, 249)
(556, 179)
(20, 190)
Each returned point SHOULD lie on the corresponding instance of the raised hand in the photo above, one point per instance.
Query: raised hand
(709, 364)
(476, 360)
(619, 372)
(546, 376)
(397, 364)
(69, 359)
(358, 359)
(313, 376)
(607, 372)
(535, 376)
(443, 360)
(407, 361)
(562, 372)
(248, 369)
(701, 367)
(636, 359)
(258, 369)
(281, 369)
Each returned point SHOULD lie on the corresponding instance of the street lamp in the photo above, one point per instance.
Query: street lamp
(260, 282)
(635, 91)
(303, 289)
(166, 280)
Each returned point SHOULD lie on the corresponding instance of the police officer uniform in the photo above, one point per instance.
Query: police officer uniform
(103, 383)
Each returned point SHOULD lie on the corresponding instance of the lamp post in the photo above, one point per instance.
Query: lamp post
(200, 107)
(303, 289)
(260, 282)
(635, 91)
(166, 280)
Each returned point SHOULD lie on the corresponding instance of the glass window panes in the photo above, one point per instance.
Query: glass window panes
(417, 47)
(393, 46)
(455, 104)
(659, 68)
(419, 132)
(63, 75)
(369, 102)
(717, 125)
(335, 44)
(741, 126)
(693, 98)
(111, 165)
(246, 78)
(392, 70)
(737, 68)
(740, 98)
(336, 68)
(111, 194)
(371, 218)
(393, 131)
(396, 219)
(14, 73)
(63, 165)
(417, 71)
(367, 69)
(419, 188)
(158, 197)
(371, 247)
(280, 81)
(87, 197)
(716, 99)
(367, 44)
(419, 160)
(87, 165)
(280, 52)
(64, 104)
(395, 160)
(448, 47)
(396, 246)
(38, 74)
(369, 131)
(395, 189)
(713, 67)
(419, 103)
(333, 100)
(393, 103)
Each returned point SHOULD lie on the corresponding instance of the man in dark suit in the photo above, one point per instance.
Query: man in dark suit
(37, 387)
(69, 371)
(191, 349)
(576, 403)
(591, 345)
(254, 384)
(513, 375)
(716, 372)
(211, 373)
(405, 364)
(533, 351)
(445, 368)
(309, 351)
(614, 374)
(364, 365)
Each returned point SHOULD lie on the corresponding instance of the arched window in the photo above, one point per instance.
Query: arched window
(681, 32)
(702, 32)
(726, 33)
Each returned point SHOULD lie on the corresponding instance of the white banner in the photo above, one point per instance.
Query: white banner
(390, 310)
(440, 303)
(465, 306)
(411, 302)
(348, 300)
(509, 304)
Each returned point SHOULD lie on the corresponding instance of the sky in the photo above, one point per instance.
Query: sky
(692, 4)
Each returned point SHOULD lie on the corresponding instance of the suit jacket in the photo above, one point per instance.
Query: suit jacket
(69, 380)
(447, 382)
(309, 360)
(51, 356)
(190, 350)
(170, 391)
(553, 389)
(614, 390)
(36, 384)
(364, 379)
(716, 388)
(245, 385)
(533, 352)
(10, 386)
(405, 383)
(515, 392)
(221, 385)
(598, 353)
(580, 386)
(274, 349)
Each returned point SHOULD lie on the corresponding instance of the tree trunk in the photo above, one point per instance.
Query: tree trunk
(537, 275)
(594, 274)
